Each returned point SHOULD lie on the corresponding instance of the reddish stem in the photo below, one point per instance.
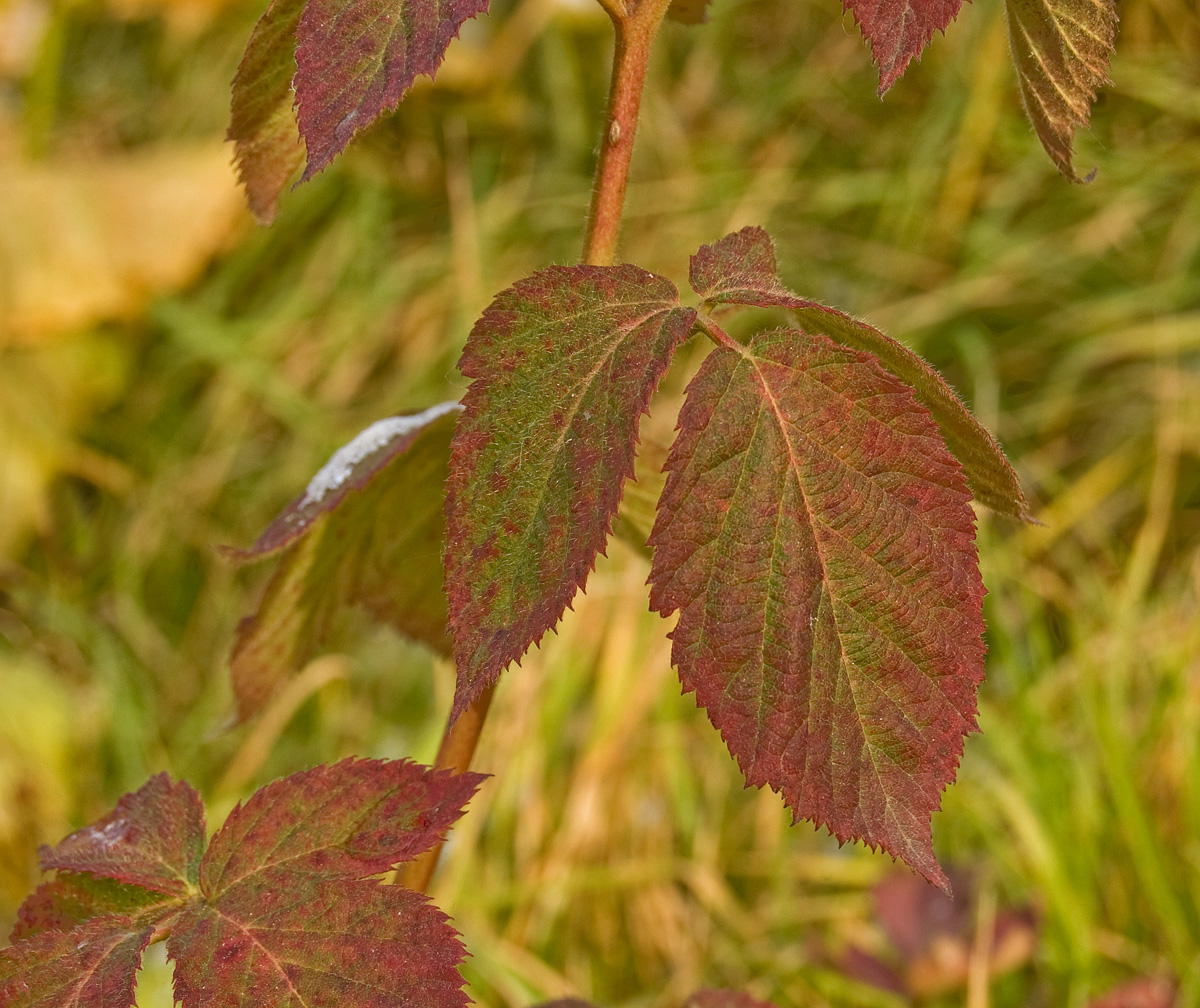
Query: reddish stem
(719, 335)
(457, 747)
(635, 30)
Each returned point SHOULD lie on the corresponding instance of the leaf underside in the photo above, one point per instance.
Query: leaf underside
(1061, 49)
(368, 530)
(356, 59)
(563, 365)
(262, 122)
(817, 540)
(897, 30)
(279, 909)
(740, 269)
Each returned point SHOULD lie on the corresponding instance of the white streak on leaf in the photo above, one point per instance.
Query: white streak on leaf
(341, 464)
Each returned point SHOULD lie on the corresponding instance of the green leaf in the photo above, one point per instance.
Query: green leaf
(817, 540)
(740, 269)
(1061, 49)
(92, 966)
(367, 530)
(262, 121)
(563, 365)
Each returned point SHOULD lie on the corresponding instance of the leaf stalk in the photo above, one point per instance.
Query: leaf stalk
(454, 753)
(717, 334)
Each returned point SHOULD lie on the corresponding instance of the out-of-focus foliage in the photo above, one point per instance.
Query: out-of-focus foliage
(609, 859)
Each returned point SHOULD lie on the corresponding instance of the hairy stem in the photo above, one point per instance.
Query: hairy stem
(455, 752)
(635, 30)
(717, 334)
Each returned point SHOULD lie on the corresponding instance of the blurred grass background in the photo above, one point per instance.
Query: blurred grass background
(170, 376)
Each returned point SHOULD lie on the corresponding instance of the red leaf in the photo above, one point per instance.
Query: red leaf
(347, 819)
(286, 938)
(357, 58)
(818, 541)
(740, 269)
(1061, 49)
(154, 839)
(899, 29)
(563, 365)
(368, 530)
(71, 899)
(262, 123)
(277, 912)
(287, 918)
(92, 966)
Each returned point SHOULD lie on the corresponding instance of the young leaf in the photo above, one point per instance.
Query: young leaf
(368, 530)
(1061, 49)
(278, 911)
(287, 917)
(357, 58)
(563, 365)
(93, 966)
(740, 269)
(153, 839)
(262, 122)
(898, 30)
(817, 540)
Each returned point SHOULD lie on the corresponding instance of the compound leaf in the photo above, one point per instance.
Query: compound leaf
(278, 910)
(153, 838)
(357, 58)
(740, 269)
(367, 530)
(287, 916)
(1061, 49)
(262, 121)
(898, 30)
(818, 542)
(92, 966)
(563, 365)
